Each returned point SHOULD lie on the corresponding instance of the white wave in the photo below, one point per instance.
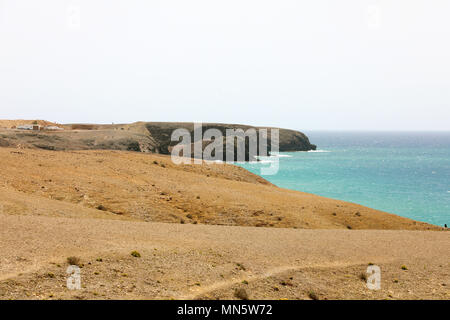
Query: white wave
(277, 155)
(266, 161)
(240, 162)
(274, 155)
(318, 151)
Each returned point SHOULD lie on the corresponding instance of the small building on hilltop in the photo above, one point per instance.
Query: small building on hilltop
(25, 127)
(34, 127)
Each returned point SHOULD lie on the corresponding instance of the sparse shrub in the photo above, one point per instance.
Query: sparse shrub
(312, 295)
(99, 260)
(245, 282)
(88, 142)
(404, 267)
(50, 275)
(287, 283)
(134, 146)
(101, 207)
(135, 254)
(240, 266)
(363, 276)
(107, 145)
(155, 162)
(241, 294)
(75, 261)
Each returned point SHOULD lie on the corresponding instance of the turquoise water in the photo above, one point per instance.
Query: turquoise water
(403, 173)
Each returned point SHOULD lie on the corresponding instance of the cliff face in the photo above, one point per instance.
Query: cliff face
(289, 140)
(154, 137)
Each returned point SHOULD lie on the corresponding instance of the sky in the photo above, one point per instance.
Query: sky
(306, 65)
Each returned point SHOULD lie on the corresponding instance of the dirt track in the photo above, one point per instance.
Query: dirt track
(195, 261)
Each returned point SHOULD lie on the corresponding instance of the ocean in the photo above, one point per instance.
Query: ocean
(405, 173)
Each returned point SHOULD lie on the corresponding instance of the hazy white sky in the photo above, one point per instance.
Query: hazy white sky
(322, 64)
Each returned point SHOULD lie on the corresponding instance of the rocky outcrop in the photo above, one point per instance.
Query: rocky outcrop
(289, 140)
(153, 137)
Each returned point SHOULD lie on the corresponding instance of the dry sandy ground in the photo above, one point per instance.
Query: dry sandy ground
(151, 188)
(200, 261)
(230, 229)
(14, 123)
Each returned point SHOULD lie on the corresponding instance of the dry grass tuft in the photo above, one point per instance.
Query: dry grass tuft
(135, 254)
(241, 294)
(312, 295)
(74, 261)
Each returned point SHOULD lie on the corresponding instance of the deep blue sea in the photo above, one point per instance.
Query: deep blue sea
(405, 173)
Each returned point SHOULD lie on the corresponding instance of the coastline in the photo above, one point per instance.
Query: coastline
(402, 173)
(201, 231)
(209, 194)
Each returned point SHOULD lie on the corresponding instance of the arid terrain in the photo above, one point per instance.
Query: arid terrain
(147, 187)
(154, 137)
(200, 231)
